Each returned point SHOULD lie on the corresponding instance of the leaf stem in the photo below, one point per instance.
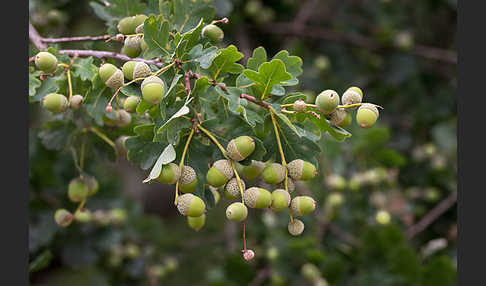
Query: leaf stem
(70, 85)
(80, 207)
(181, 163)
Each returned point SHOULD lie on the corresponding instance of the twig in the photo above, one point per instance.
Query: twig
(106, 54)
(248, 97)
(431, 216)
(36, 38)
(75, 39)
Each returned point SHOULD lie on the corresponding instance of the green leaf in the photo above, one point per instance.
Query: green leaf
(286, 121)
(84, 68)
(156, 36)
(34, 82)
(141, 149)
(188, 13)
(55, 134)
(202, 56)
(293, 97)
(293, 65)
(167, 156)
(181, 112)
(268, 75)
(324, 125)
(41, 261)
(96, 100)
(124, 8)
(47, 86)
(258, 58)
(225, 62)
(192, 36)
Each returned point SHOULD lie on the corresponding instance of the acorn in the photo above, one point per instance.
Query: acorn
(131, 47)
(111, 76)
(63, 217)
(77, 190)
(83, 216)
(352, 95)
(188, 180)
(55, 102)
(169, 174)
(295, 227)
(152, 89)
(346, 121)
(236, 212)
(127, 69)
(143, 45)
(92, 184)
(124, 118)
(253, 170)
(233, 189)
(213, 33)
(367, 115)
(302, 205)
(327, 101)
(197, 222)
(240, 147)
(46, 62)
(190, 205)
(228, 195)
(337, 116)
(290, 185)
(131, 102)
(382, 217)
(220, 173)
(138, 20)
(215, 193)
(301, 170)
(273, 173)
(76, 101)
(128, 25)
(300, 105)
(259, 198)
(280, 200)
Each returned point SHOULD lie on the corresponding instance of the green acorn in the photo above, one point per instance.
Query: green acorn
(253, 170)
(259, 198)
(197, 222)
(46, 62)
(63, 217)
(240, 147)
(124, 118)
(352, 95)
(92, 184)
(337, 116)
(128, 25)
(301, 170)
(138, 20)
(83, 216)
(143, 45)
(111, 76)
(295, 227)
(327, 101)
(346, 121)
(300, 105)
(236, 212)
(152, 89)
(290, 185)
(127, 69)
(215, 193)
(213, 33)
(228, 195)
(76, 101)
(188, 180)
(302, 205)
(131, 102)
(77, 190)
(55, 102)
(141, 70)
(383, 217)
(131, 47)
(117, 216)
(220, 173)
(280, 200)
(233, 189)
(190, 205)
(367, 115)
(273, 173)
(169, 174)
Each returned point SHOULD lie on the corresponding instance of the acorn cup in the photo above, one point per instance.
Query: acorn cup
(259, 198)
(240, 148)
(295, 227)
(302, 205)
(301, 170)
(188, 180)
(220, 173)
(233, 189)
(190, 205)
(351, 96)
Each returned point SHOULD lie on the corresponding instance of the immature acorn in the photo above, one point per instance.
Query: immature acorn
(76, 101)
(233, 189)
(327, 101)
(197, 222)
(346, 121)
(63, 217)
(77, 190)
(152, 89)
(299, 105)
(169, 174)
(55, 102)
(236, 212)
(213, 33)
(302, 205)
(190, 205)
(240, 147)
(295, 227)
(131, 47)
(131, 102)
(128, 25)
(92, 184)
(127, 69)
(111, 76)
(337, 116)
(367, 115)
(253, 170)
(124, 118)
(352, 95)
(46, 62)
(259, 198)
(228, 195)
(280, 200)
(220, 173)
(188, 180)
(273, 173)
(83, 216)
(301, 170)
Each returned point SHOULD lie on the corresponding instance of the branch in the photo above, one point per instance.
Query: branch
(106, 54)
(431, 216)
(355, 39)
(248, 97)
(36, 38)
(74, 39)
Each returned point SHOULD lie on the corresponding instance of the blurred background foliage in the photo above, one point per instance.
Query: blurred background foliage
(387, 213)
